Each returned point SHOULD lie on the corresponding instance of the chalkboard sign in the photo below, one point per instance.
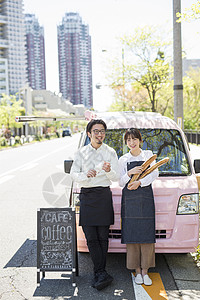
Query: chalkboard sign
(56, 241)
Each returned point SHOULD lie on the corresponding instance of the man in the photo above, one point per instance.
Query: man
(94, 167)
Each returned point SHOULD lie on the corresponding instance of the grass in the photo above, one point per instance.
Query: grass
(196, 254)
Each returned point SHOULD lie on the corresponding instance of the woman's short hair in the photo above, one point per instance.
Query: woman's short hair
(134, 133)
(94, 122)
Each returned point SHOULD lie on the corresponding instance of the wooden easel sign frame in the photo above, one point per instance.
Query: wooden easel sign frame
(56, 241)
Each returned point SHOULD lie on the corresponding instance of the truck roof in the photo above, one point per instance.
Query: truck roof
(138, 119)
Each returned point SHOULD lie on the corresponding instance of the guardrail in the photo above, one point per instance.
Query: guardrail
(193, 136)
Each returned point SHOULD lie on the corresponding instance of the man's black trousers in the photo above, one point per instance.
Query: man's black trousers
(97, 241)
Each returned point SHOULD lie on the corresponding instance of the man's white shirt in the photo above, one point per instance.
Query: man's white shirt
(88, 158)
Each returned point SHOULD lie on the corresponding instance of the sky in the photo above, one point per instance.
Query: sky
(107, 20)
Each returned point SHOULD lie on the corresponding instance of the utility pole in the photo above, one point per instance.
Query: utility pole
(27, 97)
(177, 50)
(123, 78)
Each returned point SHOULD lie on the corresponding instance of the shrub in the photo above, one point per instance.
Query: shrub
(18, 140)
(3, 141)
(38, 137)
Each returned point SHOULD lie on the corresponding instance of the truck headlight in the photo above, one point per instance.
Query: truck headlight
(76, 202)
(188, 204)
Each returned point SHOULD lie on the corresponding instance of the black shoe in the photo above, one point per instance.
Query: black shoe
(104, 279)
(94, 280)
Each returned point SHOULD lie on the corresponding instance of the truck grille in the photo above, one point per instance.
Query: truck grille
(160, 234)
(163, 234)
(115, 234)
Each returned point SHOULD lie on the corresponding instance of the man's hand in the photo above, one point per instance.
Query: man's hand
(91, 173)
(106, 167)
(134, 185)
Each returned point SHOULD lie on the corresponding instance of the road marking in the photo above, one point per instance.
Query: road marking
(6, 178)
(76, 292)
(35, 160)
(154, 292)
(29, 166)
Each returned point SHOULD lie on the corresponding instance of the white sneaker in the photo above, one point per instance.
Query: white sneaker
(147, 280)
(139, 279)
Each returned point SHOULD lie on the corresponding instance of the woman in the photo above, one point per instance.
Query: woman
(138, 210)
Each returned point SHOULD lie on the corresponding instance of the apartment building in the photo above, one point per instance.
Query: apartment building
(75, 62)
(189, 64)
(35, 50)
(12, 46)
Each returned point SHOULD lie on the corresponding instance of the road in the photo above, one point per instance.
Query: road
(27, 182)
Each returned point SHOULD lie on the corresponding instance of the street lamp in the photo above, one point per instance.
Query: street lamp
(99, 85)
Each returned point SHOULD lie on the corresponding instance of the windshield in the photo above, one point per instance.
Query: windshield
(163, 142)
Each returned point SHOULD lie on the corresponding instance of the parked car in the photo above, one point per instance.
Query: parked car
(176, 190)
(66, 132)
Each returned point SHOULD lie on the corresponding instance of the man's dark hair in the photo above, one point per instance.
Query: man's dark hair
(134, 133)
(94, 122)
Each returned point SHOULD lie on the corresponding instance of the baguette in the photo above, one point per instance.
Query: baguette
(145, 166)
(157, 165)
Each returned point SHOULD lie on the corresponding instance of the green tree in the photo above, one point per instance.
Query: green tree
(165, 105)
(191, 94)
(136, 99)
(191, 13)
(10, 107)
(150, 70)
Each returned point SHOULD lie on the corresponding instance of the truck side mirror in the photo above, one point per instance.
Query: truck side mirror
(68, 165)
(197, 165)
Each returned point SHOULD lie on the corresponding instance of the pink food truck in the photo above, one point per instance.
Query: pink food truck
(176, 189)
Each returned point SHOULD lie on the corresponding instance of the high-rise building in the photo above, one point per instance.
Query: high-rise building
(35, 53)
(75, 62)
(189, 64)
(12, 46)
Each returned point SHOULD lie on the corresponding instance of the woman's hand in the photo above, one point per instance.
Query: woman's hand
(134, 185)
(135, 170)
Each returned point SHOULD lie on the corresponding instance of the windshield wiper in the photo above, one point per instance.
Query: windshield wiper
(173, 174)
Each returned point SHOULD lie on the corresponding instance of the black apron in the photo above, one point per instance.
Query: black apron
(138, 213)
(96, 207)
